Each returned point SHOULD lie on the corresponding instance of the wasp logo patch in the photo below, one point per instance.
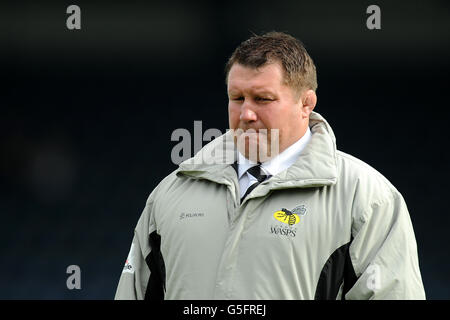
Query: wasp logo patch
(288, 218)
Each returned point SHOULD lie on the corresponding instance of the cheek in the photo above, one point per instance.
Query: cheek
(271, 118)
(279, 119)
(233, 116)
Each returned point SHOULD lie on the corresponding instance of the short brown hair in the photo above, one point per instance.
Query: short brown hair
(272, 47)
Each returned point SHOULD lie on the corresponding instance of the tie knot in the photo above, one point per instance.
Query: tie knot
(258, 173)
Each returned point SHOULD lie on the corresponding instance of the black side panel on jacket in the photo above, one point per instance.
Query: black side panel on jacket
(336, 270)
(157, 281)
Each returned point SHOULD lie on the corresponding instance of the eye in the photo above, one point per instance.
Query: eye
(237, 98)
(263, 99)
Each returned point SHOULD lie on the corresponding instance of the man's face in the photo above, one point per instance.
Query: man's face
(258, 99)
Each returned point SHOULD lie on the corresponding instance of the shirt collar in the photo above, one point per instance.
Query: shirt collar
(244, 164)
(281, 162)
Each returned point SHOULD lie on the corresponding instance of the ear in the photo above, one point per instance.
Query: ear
(309, 100)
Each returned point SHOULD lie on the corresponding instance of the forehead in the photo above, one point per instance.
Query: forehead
(267, 77)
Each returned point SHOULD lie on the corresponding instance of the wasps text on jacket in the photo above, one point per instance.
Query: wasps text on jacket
(284, 231)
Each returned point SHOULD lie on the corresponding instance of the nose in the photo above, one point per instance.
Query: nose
(247, 113)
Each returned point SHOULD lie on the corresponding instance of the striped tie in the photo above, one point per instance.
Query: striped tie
(260, 176)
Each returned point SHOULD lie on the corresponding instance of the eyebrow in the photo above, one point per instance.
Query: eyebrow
(254, 92)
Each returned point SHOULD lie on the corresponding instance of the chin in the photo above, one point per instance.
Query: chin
(254, 149)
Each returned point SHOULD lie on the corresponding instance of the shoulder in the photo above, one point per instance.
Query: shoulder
(163, 187)
(365, 183)
(156, 197)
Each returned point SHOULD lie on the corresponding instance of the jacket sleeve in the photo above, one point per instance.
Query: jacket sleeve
(383, 253)
(135, 277)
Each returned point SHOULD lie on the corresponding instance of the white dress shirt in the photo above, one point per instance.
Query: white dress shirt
(272, 167)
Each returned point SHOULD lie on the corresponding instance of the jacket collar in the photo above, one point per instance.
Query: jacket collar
(316, 165)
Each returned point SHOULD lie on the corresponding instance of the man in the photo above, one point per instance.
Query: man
(305, 221)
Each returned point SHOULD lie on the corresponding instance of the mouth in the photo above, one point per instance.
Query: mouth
(254, 144)
(254, 130)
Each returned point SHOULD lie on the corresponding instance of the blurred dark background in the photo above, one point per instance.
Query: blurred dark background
(86, 118)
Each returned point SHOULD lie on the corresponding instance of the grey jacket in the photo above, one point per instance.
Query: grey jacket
(328, 227)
